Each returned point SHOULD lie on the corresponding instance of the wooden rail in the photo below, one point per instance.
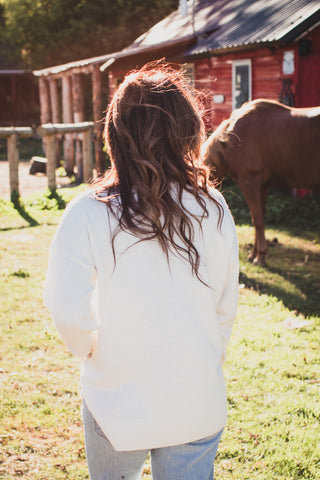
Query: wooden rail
(49, 132)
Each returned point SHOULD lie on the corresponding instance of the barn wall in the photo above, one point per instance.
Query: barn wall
(19, 100)
(308, 81)
(266, 74)
(214, 77)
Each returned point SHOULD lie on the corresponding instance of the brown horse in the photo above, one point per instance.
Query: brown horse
(265, 143)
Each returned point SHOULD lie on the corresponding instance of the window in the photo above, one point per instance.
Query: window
(241, 82)
(288, 62)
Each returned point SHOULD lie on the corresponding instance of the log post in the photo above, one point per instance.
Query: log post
(97, 117)
(87, 155)
(78, 116)
(45, 114)
(67, 115)
(51, 161)
(11, 134)
(55, 109)
(13, 158)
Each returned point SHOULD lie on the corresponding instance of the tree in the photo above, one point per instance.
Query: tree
(50, 32)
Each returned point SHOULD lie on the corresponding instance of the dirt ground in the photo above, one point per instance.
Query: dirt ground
(27, 183)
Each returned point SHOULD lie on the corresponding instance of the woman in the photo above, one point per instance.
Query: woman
(142, 283)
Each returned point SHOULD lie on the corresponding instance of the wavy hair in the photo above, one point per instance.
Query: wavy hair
(153, 134)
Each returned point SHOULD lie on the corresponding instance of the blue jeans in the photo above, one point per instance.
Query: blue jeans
(190, 461)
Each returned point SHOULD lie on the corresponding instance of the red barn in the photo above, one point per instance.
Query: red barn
(233, 51)
(239, 50)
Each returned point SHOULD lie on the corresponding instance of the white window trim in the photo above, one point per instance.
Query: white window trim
(235, 64)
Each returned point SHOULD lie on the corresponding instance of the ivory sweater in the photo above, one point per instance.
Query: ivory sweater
(152, 336)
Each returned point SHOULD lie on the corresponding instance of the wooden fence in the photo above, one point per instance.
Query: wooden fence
(49, 132)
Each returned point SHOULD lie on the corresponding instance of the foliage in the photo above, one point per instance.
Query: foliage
(49, 32)
(272, 370)
(282, 208)
(28, 148)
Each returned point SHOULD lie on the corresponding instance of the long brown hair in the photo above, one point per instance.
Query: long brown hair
(153, 134)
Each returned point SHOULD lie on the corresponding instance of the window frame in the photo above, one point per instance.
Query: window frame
(235, 64)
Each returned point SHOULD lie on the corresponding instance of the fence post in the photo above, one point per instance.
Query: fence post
(55, 111)
(49, 131)
(13, 158)
(97, 109)
(45, 114)
(67, 117)
(87, 155)
(51, 161)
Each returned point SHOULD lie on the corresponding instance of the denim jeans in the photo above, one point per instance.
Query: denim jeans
(190, 461)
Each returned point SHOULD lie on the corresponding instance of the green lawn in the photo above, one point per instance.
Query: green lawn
(272, 371)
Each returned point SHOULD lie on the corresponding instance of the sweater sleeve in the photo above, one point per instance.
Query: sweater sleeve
(70, 285)
(228, 301)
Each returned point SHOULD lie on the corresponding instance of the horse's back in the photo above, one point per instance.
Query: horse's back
(275, 124)
(274, 141)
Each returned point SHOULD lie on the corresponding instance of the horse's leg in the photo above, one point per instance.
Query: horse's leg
(261, 241)
(256, 197)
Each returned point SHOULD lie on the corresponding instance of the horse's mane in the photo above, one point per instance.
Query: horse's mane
(226, 127)
(262, 104)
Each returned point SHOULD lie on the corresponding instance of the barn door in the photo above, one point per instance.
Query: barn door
(241, 82)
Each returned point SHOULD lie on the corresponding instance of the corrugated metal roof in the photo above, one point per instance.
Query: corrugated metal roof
(223, 24)
(57, 69)
(171, 28)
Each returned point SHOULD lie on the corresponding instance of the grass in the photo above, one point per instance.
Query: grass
(272, 371)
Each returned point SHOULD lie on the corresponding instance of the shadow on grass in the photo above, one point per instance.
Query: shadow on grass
(19, 206)
(23, 227)
(292, 276)
(21, 209)
(61, 203)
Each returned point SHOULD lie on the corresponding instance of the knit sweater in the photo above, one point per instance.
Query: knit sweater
(153, 338)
